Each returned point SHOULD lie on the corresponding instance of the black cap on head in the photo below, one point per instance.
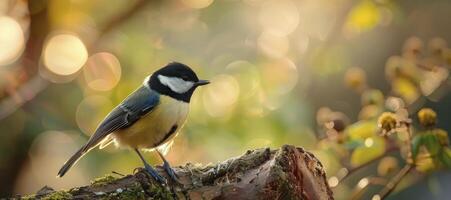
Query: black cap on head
(179, 70)
(175, 70)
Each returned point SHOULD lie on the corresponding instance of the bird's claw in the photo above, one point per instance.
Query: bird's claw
(171, 172)
(155, 174)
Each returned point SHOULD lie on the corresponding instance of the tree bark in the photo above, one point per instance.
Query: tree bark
(286, 173)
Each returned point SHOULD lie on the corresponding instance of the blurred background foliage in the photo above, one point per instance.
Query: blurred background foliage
(311, 73)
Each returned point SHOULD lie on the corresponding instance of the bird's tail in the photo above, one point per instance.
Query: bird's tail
(72, 160)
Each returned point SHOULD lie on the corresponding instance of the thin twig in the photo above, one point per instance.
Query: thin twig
(404, 171)
(409, 158)
(117, 173)
(360, 189)
(394, 182)
(357, 168)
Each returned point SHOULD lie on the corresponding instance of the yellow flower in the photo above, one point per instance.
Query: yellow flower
(442, 136)
(427, 117)
(355, 78)
(387, 122)
(372, 97)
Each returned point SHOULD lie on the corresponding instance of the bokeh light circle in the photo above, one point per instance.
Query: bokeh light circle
(102, 71)
(220, 95)
(11, 40)
(247, 76)
(49, 150)
(65, 54)
(273, 45)
(280, 17)
(91, 111)
(280, 76)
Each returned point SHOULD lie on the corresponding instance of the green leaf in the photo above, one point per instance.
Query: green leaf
(362, 129)
(445, 157)
(372, 148)
(432, 144)
(442, 136)
(352, 144)
(416, 144)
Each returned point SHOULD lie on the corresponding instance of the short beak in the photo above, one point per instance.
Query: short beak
(202, 82)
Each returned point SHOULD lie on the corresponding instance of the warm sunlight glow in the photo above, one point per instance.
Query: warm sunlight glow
(65, 54)
(363, 17)
(280, 17)
(369, 142)
(47, 153)
(363, 183)
(11, 40)
(333, 181)
(280, 76)
(102, 71)
(91, 111)
(273, 45)
(220, 95)
(197, 3)
(247, 76)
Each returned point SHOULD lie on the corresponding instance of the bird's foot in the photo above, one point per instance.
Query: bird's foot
(155, 174)
(171, 172)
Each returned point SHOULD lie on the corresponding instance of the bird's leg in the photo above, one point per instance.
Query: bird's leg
(168, 168)
(151, 170)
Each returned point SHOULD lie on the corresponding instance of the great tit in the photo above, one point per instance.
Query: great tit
(148, 118)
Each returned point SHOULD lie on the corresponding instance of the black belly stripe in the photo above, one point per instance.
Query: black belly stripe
(172, 131)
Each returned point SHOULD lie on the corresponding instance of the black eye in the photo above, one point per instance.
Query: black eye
(185, 78)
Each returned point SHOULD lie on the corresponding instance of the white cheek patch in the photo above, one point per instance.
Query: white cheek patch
(177, 85)
(146, 81)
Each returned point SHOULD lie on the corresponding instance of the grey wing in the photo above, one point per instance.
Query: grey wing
(139, 103)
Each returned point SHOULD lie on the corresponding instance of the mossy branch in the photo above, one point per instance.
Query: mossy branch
(286, 173)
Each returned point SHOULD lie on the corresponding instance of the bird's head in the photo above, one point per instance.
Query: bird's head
(175, 80)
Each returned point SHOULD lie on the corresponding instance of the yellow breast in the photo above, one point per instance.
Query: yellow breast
(157, 127)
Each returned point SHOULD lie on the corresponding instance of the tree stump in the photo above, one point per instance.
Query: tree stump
(286, 173)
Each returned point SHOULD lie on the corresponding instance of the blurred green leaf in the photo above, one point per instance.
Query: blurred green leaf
(442, 136)
(432, 143)
(362, 129)
(445, 157)
(352, 144)
(370, 150)
(364, 16)
(416, 144)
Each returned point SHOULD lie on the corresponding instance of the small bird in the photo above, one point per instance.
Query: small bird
(148, 118)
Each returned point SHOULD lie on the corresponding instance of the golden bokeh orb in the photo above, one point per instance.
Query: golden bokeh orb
(12, 40)
(280, 17)
(102, 71)
(65, 54)
(221, 95)
(273, 45)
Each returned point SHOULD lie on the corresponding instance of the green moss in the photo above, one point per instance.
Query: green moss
(103, 180)
(159, 192)
(134, 192)
(28, 197)
(131, 194)
(58, 196)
